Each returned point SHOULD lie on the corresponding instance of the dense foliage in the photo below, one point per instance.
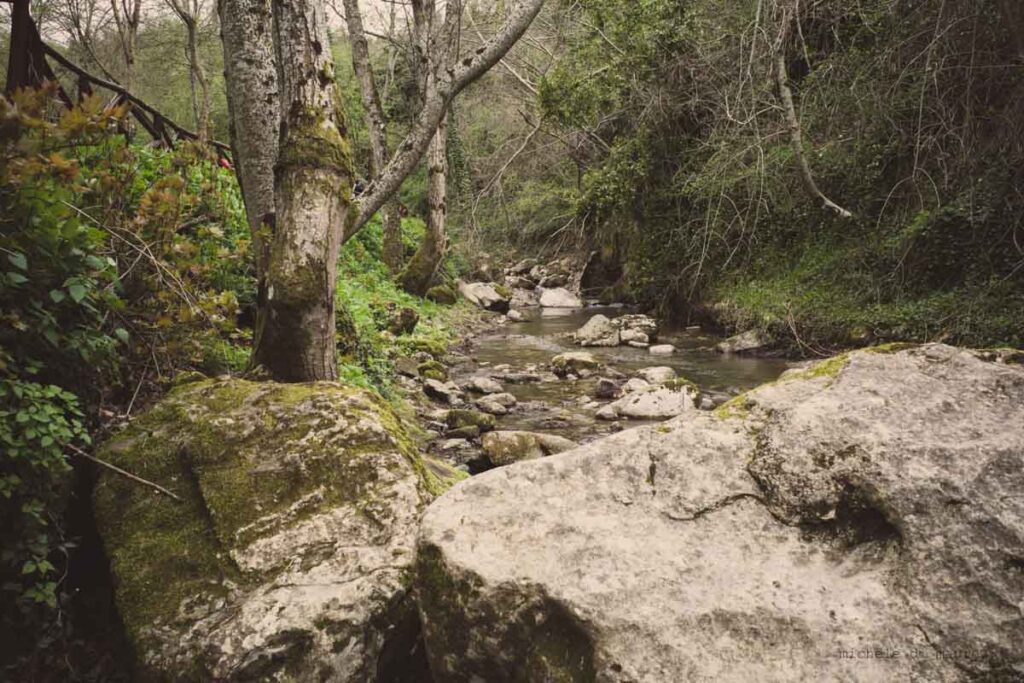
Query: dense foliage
(911, 118)
(120, 266)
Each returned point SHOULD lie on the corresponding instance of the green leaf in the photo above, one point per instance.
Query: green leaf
(121, 334)
(16, 278)
(57, 296)
(77, 292)
(18, 260)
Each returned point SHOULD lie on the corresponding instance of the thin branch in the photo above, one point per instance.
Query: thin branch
(128, 475)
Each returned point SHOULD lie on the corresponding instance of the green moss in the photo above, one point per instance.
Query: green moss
(432, 369)
(503, 291)
(459, 418)
(241, 455)
(441, 294)
(738, 407)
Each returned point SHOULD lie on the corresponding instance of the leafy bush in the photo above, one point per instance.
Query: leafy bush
(118, 266)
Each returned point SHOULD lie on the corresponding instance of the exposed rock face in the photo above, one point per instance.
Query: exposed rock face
(751, 340)
(860, 521)
(598, 331)
(656, 403)
(286, 559)
(505, 448)
(484, 295)
(559, 297)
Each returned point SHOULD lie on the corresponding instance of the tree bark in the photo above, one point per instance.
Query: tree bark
(434, 51)
(377, 125)
(200, 85)
(295, 336)
(792, 119)
(127, 17)
(422, 268)
(254, 107)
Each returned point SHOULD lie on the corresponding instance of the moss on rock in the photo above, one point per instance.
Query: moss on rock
(254, 463)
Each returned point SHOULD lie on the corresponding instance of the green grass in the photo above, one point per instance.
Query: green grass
(366, 289)
(841, 295)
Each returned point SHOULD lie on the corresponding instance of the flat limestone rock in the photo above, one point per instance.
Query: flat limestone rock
(287, 558)
(858, 521)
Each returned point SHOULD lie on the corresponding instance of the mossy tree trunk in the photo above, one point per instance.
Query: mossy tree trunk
(422, 268)
(434, 50)
(295, 336)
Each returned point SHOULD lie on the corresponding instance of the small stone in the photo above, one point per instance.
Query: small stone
(505, 399)
(432, 369)
(488, 405)
(515, 316)
(573, 362)
(484, 385)
(459, 418)
(464, 432)
(663, 350)
(638, 344)
(505, 448)
(446, 392)
(751, 340)
(606, 388)
(607, 412)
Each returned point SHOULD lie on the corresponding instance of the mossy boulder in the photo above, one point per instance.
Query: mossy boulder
(288, 557)
(442, 294)
(459, 418)
(574, 363)
(433, 369)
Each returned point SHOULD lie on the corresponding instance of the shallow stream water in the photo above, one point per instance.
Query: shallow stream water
(556, 406)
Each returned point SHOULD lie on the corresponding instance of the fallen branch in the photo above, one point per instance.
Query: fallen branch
(796, 137)
(128, 475)
(158, 117)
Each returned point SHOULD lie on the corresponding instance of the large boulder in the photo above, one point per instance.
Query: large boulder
(505, 448)
(287, 557)
(860, 521)
(484, 295)
(598, 331)
(559, 297)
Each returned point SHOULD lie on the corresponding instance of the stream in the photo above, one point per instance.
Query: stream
(566, 407)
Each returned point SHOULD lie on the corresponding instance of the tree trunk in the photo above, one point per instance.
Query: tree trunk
(422, 268)
(254, 107)
(433, 49)
(295, 336)
(200, 86)
(377, 125)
